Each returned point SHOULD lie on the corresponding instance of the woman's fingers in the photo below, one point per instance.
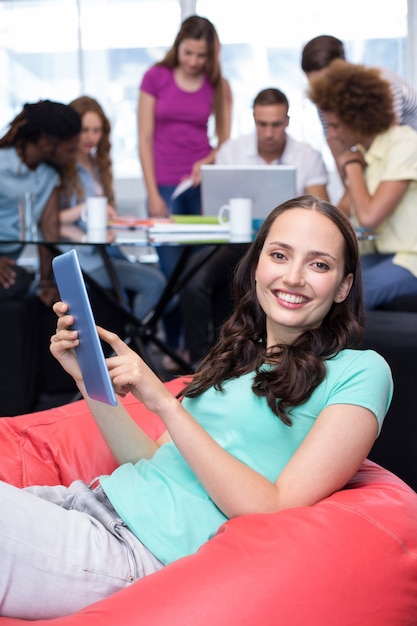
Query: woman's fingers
(113, 340)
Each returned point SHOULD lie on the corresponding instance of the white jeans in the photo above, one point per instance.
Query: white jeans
(62, 548)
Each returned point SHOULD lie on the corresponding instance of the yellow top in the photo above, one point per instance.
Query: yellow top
(393, 156)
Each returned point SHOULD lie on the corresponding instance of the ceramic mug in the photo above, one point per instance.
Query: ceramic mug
(240, 218)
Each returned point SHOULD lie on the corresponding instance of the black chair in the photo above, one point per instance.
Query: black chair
(19, 329)
(394, 335)
(406, 304)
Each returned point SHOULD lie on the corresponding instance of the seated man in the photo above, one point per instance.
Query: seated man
(41, 140)
(206, 299)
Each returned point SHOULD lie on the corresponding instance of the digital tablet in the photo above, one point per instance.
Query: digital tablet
(89, 352)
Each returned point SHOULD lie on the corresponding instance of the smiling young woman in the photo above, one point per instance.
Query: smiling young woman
(262, 427)
(300, 273)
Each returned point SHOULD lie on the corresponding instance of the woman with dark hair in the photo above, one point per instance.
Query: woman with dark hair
(379, 169)
(281, 414)
(39, 145)
(177, 97)
(244, 337)
(93, 176)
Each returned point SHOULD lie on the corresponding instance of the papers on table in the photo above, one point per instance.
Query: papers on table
(131, 237)
(125, 222)
(132, 230)
(176, 229)
(185, 184)
(187, 233)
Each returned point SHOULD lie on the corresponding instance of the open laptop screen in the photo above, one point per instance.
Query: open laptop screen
(267, 186)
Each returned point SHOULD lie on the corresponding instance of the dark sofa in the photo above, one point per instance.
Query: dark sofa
(394, 335)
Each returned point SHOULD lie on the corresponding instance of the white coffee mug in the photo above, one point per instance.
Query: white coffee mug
(95, 214)
(240, 218)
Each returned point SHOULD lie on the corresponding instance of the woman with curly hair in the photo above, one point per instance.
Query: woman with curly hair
(281, 414)
(379, 168)
(93, 177)
(320, 51)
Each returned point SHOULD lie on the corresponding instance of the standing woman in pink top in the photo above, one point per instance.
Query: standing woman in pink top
(177, 97)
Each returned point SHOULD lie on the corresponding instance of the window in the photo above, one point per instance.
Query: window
(59, 49)
(262, 48)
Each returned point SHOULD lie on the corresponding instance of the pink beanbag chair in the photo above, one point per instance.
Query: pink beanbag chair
(350, 559)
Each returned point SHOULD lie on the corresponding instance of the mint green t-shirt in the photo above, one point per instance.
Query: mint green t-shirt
(161, 500)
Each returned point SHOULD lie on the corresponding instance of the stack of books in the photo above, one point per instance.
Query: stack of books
(176, 229)
(189, 229)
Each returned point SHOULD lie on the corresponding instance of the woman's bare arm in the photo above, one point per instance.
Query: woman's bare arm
(146, 127)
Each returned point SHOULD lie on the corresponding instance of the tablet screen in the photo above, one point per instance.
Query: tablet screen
(89, 352)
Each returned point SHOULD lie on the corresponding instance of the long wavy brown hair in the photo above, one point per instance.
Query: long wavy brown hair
(197, 27)
(102, 158)
(298, 368)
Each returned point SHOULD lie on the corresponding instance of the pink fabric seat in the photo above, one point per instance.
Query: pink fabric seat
(350, 559)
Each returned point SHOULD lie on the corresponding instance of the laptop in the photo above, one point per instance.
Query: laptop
(267, 185)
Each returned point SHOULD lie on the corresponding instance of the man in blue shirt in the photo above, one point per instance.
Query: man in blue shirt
(41, 142)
